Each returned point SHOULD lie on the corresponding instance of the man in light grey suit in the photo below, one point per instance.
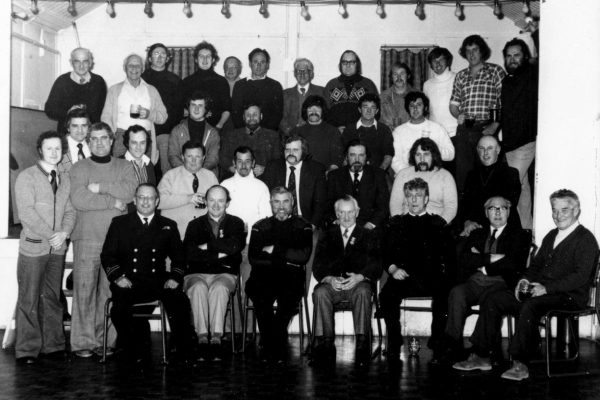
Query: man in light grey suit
(295, 96)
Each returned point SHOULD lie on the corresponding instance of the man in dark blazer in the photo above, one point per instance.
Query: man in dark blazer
(559, 277)
(492, 259)
(293, 97)
(418, 254)
(133, 256)
(363, 182)
(304, 178)
(213, 246)
(347, 266)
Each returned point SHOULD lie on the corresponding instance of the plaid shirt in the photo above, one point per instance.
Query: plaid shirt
(474, 97)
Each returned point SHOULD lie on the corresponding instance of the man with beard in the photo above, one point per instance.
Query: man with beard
(344, 92)
(258, 89)
(264, 142)
(323, 139)
(304, 72)
(346, 266)
(492, 178)
(279, 247)
(363, 182)
(519, 118)
(303, 178)
(426, 163)
(418, 254)
(475, 93)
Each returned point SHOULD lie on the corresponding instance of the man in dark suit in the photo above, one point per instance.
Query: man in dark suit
(347, 265)
(279, 246)
(304, 72)
(559, 277)
(364, 182)
(492, 259)
(304, 178)
(492, 177)
(133, 256)
(418, 254)
(213, 245)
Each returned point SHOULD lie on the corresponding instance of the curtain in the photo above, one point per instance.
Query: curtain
(414, 57)
(182, 61)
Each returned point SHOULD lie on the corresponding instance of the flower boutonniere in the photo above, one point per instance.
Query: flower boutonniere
(352, 241)
(166, 228)
(221, 235)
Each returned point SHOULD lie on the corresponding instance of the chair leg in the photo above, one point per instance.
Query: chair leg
(105, 338)
(301, 326)
(163, 321)
(308, 325)
(548, 326)
(245, 325)
(231, 308)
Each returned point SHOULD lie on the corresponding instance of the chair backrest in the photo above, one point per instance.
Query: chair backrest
(595, 290)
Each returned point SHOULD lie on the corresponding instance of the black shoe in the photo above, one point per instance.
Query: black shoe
(26, 360)
(216, 351)
(203, 353)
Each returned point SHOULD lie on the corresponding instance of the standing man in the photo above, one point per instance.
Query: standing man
(205, 79)
(419, 255)
(363, 182)
(279, 247)
(259, 89)
(232, 68)
(344, 92)
(77, 125)
(134, 258)
(133, 102)
(375, 135)
(294, 97)
(475, 95)
(79, 86)
(183, 189)
(213, 245)
(323, 139)
(393, 106)
(519, 119)
(303, 178)
(559, 277)
(438, 89)
(168, 85)
(136, 140)
(101, 187)
(264, 143)
(347, 265)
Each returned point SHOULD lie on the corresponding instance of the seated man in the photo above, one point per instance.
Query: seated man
(492, 259)
(133, 256)
(346, 266)
(279, 246)
(558, 277)
(426, 163)
(419, 256)
(492, 177)
(213, 245)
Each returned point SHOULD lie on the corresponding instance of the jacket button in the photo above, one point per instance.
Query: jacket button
(154, 259)
(154, 250)
(134, 270)
(135, 250)
(153, 270)
(135, 260)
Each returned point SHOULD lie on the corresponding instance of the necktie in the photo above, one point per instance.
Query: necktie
(355, 184)
(146, 222)
(195, 183)
(302, 91)
(81, 81)
(53, 181)
(490, 247)
(80, 155)
(346, 236)
(291, 186)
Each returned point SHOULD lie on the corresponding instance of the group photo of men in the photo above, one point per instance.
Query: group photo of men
(190, 190)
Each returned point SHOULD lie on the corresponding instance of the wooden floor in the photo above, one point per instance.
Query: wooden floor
(245, 377)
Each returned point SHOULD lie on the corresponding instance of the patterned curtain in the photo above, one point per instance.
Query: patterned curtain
(182, 61)
(414, 57)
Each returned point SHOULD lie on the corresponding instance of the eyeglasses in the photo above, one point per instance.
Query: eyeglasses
(96, 139)
(159, 54)
(144, 198)
(497, 209)
(348, 62)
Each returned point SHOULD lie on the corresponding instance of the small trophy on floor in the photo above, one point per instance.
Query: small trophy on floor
(414, 346)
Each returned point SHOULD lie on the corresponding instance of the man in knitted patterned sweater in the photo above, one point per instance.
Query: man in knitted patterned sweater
(101, 187)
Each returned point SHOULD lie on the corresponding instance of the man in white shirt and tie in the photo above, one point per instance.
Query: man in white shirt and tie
(77, 125)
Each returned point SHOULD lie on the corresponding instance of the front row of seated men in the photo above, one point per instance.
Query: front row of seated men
(417, 252)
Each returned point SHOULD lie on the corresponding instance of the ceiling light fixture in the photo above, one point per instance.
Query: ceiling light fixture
(34, 7)
(148, 9)
(187, 9)
(304, 11)
(110, 9)
(380, 10)
(263, 9)
(342, 9)
(420, 10)
(458, 12)
(498, 9)
(225, 9)
(71, 8)
(526, 9)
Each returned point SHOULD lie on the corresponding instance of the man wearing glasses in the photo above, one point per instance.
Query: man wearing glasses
(101, 187)
(559, 277)
(294, 97)
(79, 86)
(491, 260)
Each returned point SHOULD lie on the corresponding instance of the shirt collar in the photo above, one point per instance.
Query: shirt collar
(141, 217)
(418, 215)
(359, 124)
(305, 87)
(127, 83)
(258, 79)
(129, 157)
(77, 78)
(73, 143)
(498, 230)
(297, 166)
(350, 230)
(256, 130)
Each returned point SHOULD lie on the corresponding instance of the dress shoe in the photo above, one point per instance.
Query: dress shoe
(474, 362)
(518, 372)
(109, 351)
(84, 353)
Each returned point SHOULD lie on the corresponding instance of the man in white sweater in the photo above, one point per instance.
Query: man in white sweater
(439, 89)
(418, 126)
(426, 163)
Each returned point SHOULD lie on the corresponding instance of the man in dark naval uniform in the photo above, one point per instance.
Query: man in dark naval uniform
(419, 257)
(279, 247)
(133, 257)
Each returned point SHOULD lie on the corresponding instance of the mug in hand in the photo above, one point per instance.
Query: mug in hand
(134, 111)
(525, 292)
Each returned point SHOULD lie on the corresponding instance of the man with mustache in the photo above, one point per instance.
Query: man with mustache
(323, 139)
(279, 246)
(518, 118)
(364, 182)
(426, 163)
